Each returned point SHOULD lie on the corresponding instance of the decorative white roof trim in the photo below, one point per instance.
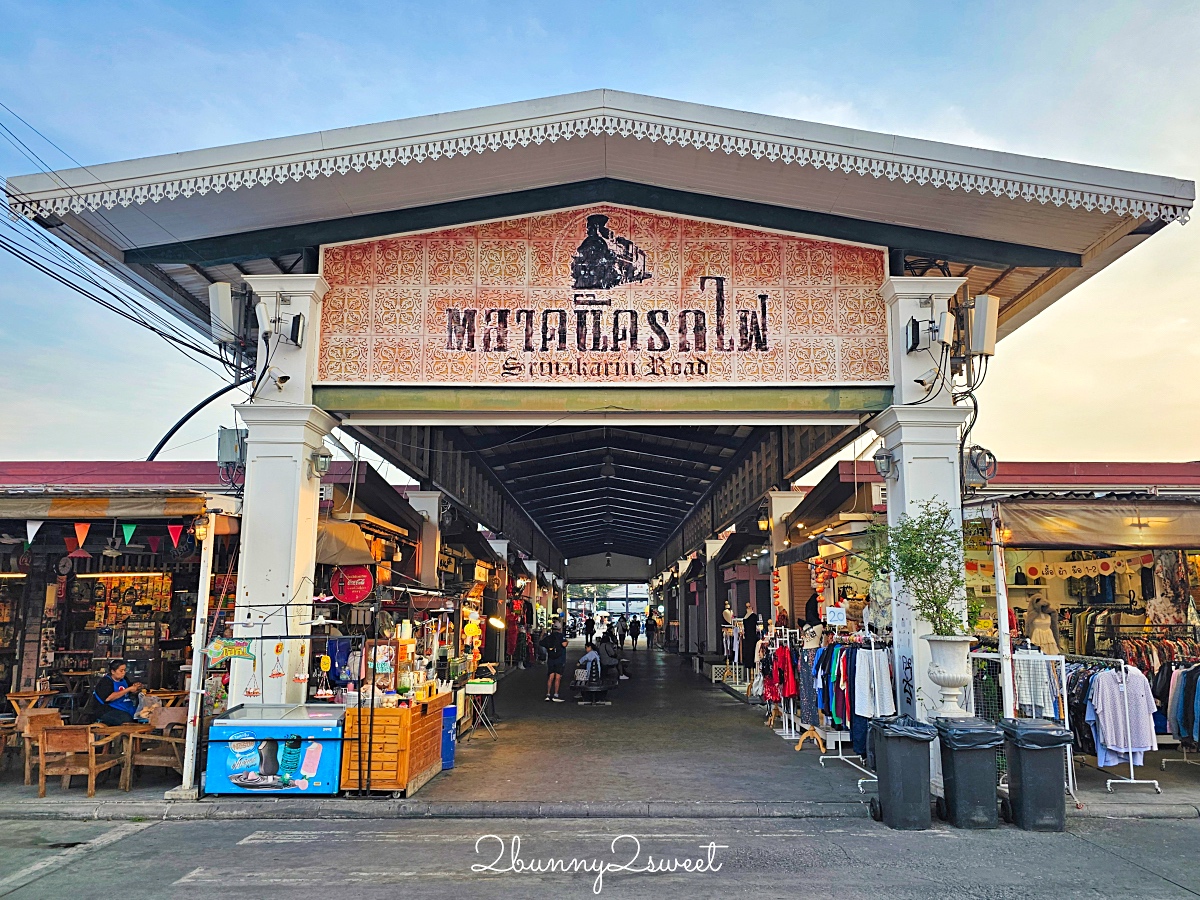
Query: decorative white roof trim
(773, 149)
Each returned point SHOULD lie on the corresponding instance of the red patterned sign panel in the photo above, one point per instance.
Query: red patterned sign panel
(603, 295)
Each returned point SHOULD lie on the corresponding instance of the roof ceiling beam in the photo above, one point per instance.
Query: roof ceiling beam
(515, 480)
(578, 531)
(599, 485)
(599, 452)
(584, 441)
(267, 242)
(199, 271)
(652, 504)
(999, 278)
(565, 516)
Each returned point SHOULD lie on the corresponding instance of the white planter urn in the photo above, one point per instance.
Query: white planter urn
(949, 670)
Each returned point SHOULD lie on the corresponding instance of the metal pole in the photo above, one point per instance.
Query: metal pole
(199, 639)
(1001, 578)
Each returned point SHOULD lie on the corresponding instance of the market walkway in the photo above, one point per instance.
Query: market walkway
(669, 735)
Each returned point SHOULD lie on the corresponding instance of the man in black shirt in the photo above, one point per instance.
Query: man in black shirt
(555, 645)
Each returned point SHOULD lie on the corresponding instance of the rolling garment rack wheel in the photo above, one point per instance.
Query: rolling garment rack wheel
(876, 809)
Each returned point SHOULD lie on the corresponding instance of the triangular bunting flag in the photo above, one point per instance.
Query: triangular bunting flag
(81, 530)
(154, 541)
(128, 530)
(175, 531)
(31, 528)
(72, 544)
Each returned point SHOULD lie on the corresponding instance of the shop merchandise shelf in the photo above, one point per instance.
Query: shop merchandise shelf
(406, 747)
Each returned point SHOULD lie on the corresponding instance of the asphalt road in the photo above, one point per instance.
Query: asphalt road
(759, 858)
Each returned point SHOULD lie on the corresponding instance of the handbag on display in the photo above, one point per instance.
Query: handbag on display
(1019, 577)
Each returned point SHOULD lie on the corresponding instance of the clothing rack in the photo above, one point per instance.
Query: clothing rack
(1123, 667)
(857, 639)
(790, 638)
(1187, 662)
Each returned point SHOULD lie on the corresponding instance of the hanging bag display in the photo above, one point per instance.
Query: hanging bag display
(1019, 577)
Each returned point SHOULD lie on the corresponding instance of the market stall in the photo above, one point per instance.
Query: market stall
(1109, 583)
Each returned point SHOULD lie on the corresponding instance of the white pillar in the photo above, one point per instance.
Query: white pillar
(187, 789)
(681, 609)
(1000, 579)
(282, 491)
(279, 546)
(923, 440)
(428, 506)
(781, 503)
(714, 593)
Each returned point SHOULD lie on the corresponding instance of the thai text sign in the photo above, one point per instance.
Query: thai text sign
(603, 294)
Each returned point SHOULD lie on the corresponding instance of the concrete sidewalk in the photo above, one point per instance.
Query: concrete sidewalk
(672, 745)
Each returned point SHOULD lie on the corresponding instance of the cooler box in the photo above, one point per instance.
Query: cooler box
(276, 749)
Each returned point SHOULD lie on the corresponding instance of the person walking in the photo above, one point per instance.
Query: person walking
(635, 628)
(555, 645)
(589, 629)
(622, 630)
(651, 630)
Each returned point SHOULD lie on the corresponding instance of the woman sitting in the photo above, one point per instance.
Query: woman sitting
(612, 664)
(117, 698)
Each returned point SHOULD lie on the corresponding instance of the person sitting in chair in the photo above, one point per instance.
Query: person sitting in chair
(117, 698)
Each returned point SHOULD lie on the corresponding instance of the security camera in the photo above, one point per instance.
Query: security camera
(280, 378)
(928, 380)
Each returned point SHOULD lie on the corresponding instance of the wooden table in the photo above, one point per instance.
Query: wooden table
(126, 731)
(23, 701)
(169, 698)
(77, 682)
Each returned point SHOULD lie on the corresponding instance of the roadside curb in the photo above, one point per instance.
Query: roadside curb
(335, 808)
(382, 808)
(1134, 811)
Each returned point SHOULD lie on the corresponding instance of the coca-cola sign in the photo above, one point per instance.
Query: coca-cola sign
(351, 584)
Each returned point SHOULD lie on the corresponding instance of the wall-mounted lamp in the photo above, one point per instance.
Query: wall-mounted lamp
(321, 459)
(885, 463)
(496, 623)
(201, 529)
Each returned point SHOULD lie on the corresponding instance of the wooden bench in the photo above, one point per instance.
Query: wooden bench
(75, 750)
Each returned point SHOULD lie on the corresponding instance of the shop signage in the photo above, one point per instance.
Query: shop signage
(351, 584)
(1111, 565)
(228, 648)
(835, 615)
(603, 295)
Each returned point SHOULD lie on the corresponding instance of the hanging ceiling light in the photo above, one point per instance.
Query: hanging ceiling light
(607, 469)
(608, 558)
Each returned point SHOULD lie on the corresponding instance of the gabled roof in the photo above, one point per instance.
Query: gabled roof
(1025, 228)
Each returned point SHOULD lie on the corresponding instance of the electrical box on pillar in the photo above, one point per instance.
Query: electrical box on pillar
(985, 313)
(221, 319)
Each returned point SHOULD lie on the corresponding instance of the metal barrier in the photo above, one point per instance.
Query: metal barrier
(1040, 689)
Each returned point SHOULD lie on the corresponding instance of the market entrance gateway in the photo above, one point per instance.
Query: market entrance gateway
(612, 330)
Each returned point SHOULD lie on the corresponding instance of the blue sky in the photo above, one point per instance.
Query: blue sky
(1105, 374)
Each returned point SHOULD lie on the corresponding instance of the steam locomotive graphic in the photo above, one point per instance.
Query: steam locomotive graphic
(604, 260)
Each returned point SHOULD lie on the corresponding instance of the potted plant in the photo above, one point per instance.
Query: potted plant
(925, 554)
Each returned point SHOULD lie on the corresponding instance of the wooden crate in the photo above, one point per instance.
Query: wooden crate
(405, 746)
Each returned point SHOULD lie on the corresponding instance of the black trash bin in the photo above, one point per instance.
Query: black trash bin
(968, 748)
(901, 745)
(1036, 774)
